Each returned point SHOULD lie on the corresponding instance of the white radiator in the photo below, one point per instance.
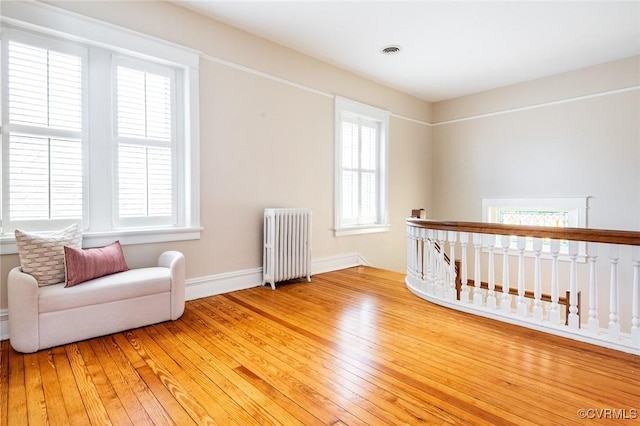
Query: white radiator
(287, 245)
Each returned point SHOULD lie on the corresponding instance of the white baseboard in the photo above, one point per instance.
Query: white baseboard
(240, 280)
(4, 324)
(211, 285)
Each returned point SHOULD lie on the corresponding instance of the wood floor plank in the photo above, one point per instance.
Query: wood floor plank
(36, 405)
(120, 383)
(161, 391)
(71, 395)
(4, 382)
(99, 377)
(203, 404)
(17, 395)
(147, 400)
(353, 347)
(95, 410)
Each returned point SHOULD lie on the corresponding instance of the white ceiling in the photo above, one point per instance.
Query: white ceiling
(449, 48)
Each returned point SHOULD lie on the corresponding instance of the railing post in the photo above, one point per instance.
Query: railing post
(554, 309)
(593, 325)
(537, 283)
(464, 292)
(521, 302)
(614, 323)
(477, 276)
(574, 320)
(505, 301)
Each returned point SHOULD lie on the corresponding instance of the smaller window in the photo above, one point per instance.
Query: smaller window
(551, 212)
(361, 168)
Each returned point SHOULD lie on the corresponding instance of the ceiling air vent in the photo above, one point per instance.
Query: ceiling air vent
(391, 50)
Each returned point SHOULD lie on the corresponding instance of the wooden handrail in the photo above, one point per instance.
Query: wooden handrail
(608, 236)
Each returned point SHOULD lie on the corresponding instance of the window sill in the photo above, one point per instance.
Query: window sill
(363, 229)
(126, 237)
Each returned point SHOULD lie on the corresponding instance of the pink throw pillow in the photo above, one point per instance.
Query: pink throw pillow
(84, 265)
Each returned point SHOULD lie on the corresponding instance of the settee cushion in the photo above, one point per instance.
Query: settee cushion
(42, 254)
(84, 265)
(123, 285)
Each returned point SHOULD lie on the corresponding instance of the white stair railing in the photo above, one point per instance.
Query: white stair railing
(549, 261)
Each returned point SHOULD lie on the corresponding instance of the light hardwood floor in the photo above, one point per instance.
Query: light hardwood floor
(353, 347)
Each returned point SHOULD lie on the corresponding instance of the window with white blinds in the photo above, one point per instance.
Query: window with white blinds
(44, 155)
(97, 136)
(145, 137)
(360, 168)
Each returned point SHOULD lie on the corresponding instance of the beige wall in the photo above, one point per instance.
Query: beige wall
(561, 136)
(265, 143)
(570, 135)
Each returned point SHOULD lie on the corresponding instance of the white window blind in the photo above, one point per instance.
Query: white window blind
(361, 168)
(145, 134)
(45, 155)
(360, 140)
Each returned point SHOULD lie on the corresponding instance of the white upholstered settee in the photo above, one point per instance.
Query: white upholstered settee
(45, 316)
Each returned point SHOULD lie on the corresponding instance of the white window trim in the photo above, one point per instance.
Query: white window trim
(52, 21)
(343, 105)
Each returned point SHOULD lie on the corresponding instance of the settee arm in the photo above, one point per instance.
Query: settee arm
(22, 295)
(174, 260)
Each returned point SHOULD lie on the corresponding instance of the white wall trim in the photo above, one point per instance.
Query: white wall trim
(226, 282)
(542, 105)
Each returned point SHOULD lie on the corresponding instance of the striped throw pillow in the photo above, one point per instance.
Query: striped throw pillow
(42, 254)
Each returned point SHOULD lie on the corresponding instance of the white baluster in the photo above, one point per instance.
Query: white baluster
(477, 276)
(451, 291)
(505, 301)
(490, 242)
(424, 260)
(464, 290)
(442, 269)
(521, 302)
(593, 324)
(554, 309)
(431, 261)
(409, 254)
(537, 283)
(635, 301)
(412, 242)
(574, 320)
(614, 324)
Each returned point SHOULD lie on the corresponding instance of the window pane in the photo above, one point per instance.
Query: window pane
(349, 202)
(368, 204)
(158, 92)
(45, 178)
(160, 182)
(132, 180)
(131, 103)
(144, 181)
(350, 145)
(66, 178)
(45, 87)
(144, 104)
(368, 151)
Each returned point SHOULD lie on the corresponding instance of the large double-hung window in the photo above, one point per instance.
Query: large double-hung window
(97, 135)
(44, 131)
(361, 163)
